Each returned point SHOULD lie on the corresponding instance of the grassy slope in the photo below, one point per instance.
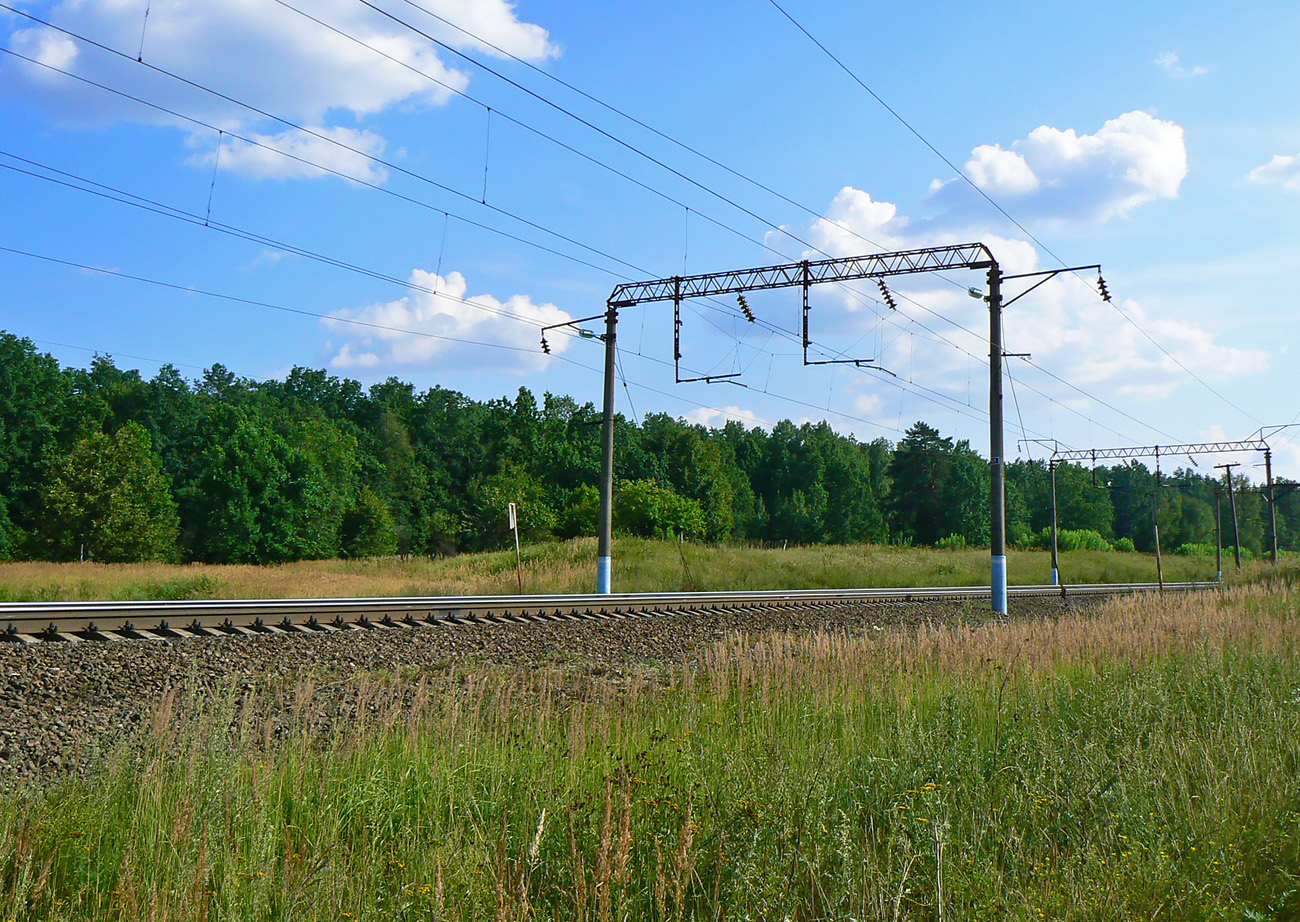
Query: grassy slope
(639, 565)
(1139, 763)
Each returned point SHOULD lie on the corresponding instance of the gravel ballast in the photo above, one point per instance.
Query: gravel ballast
(64, 705)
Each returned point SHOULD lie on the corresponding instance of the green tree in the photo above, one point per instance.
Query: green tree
(650, 510)
(35, 429)
(491, 496)
(249, 495)
(110, 496)
(368, 527)
(939, 489)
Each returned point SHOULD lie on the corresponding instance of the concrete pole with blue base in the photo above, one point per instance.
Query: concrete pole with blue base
(1056, 567)
(604, 552)
(997, 467)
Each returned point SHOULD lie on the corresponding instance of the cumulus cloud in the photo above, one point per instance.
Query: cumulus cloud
(938, 334)
(436, 319)
(298, 155)
(1169, 63)
(852, 216)
(716, 418)
(1283, 170)
(259, 53)
(51, 48)
(1062, 175)
(856, 223)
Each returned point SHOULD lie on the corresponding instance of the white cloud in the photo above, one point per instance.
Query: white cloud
(852, 216)
(715, 418)
(423, 327)
(1063, 175)
(1064, 325)
(855, 223)
(991, 167)
(870, 405)
(53, 49)
(1283, 170)
(1169, 63)
(341, 150)
(259, 53)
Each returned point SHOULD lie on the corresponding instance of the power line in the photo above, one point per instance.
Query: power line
(626, 115)
(117, 195)
(252, 302)
(433, 182)
(318, 135)
(354, 150)
(522, 124)
(962, 174)
(187, 289)
(325, 169)
(167, 211)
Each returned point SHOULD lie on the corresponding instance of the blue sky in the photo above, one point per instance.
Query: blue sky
(475, 206)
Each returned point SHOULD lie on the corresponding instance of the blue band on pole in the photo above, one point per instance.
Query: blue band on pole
(1000, 585)
(603, 565)
(1056, 577)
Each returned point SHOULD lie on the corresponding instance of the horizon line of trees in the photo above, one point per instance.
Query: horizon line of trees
(102, 464)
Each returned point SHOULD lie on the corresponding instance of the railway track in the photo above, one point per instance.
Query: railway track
(43, 622)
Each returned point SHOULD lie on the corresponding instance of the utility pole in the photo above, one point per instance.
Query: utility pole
(1056, 572)
(1272, 509)
(604, 543)
(997, 469)
(1218, 534)
(1232, 505)
(1155, 523)
(1051, 471)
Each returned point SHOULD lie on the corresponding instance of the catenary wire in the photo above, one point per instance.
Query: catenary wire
(962, 174)
(325, 169)
(426, 179)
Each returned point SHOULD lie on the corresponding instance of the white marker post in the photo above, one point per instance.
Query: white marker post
(519, 563)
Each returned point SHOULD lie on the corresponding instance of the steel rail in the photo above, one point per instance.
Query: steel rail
(35, 621)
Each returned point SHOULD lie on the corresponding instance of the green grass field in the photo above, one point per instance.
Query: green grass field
(1138, 762)
(567, 567)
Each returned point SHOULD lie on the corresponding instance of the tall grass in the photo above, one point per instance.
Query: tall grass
(1137, 763)
(569, 567)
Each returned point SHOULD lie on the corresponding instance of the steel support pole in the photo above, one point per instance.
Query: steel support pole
(1272, 506)
(1155, 522)
(997, 470)
(1155, 527)
(1218, 535)
(1232, 505)
(1056, 568)
(604, 554)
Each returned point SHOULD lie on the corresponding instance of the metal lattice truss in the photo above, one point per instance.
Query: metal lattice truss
(803, 275)
(1157, 451)
(791, 275)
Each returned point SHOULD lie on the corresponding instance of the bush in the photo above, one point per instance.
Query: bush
(368, 527)
(1074, 539)
(952, 543)
(1125, 545)
(648, 510)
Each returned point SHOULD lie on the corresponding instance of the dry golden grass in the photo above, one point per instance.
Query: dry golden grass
(1127, 629)
(569, 567)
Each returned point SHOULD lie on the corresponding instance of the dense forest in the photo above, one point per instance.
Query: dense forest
(105, 465)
